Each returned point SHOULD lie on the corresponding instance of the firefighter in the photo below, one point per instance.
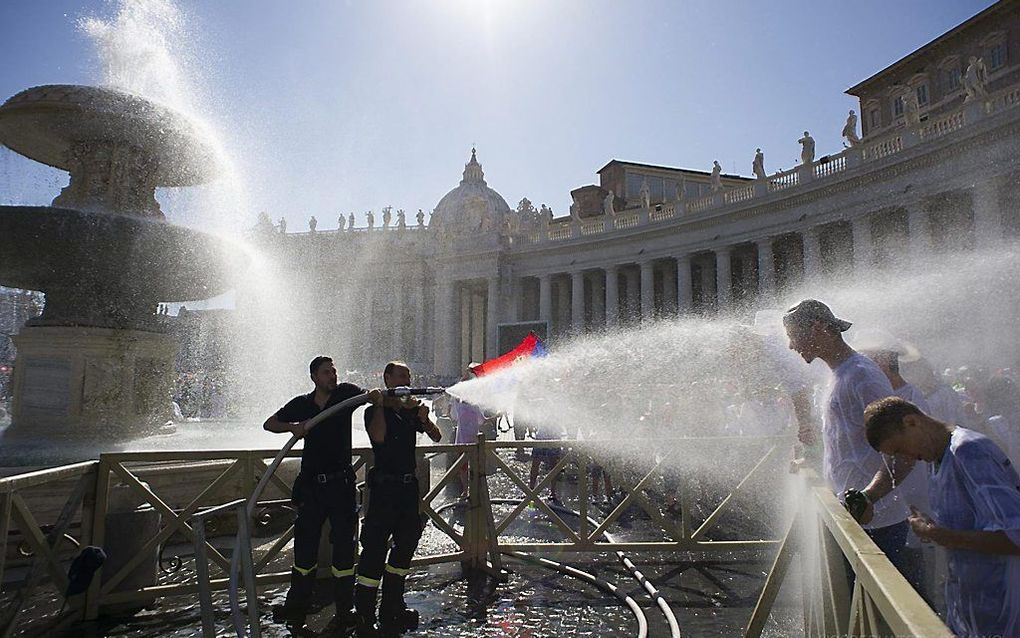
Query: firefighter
(393, 521)
(324, 489)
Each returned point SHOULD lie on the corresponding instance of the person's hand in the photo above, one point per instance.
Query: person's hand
(868, 514)
(423, 413)
(300, 429)
(922, 524)
(434, 433)
(375, 396)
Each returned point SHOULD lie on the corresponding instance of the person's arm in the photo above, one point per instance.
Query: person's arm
(984, 542)
(428, 427)
(801, 400)
(275, 424)
(375, 423)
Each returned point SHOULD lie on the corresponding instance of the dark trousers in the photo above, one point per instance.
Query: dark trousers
(318, 498)
(392, 517)
(892, 540)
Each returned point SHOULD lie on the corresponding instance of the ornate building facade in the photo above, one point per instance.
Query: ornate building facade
(937, 167)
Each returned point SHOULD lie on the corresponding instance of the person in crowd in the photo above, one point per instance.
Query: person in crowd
(886, 351)
(1002, 404)
(393, 523)
(324, 488)
(470, 420)
(546, 457)
(975, 512)
(848, 461)
(944, 403)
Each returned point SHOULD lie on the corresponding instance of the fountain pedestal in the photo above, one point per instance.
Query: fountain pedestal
(84, 381)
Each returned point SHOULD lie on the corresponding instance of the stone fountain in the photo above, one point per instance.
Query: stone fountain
(98, 362)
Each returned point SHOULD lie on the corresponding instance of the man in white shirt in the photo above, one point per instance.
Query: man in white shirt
(848, 461)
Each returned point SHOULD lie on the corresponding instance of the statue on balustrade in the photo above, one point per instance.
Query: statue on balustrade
(420, 217)
(312, 224)
(340, 221)
(911, 108)
(975, 78)
(401, 219)
(645, 193)
(716, 179)
(681, 189)
(807, 149)
(350, 222)
(545, 214)
(850, 130)
(387, 216)
(758, 165)
(283, 225)
(370, 219)
(609, 204)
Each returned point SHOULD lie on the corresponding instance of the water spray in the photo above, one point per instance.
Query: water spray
(235, 607)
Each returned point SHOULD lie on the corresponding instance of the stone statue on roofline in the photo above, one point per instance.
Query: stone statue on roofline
(387, 216)
(350, 222)
(283, 225)
(420, 217)
(716, 179)
(681, 190)
(974, 79)
(645, 193)
(758, 165)
(609, 204)
(401, 219)
(850, 130)
(370, 219)
(545, 214)
(807, 149)
(312, 224)
(340, 221)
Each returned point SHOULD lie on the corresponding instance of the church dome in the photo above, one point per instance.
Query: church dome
(472, 207)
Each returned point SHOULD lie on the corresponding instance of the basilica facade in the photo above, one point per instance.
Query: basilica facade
(936, 167)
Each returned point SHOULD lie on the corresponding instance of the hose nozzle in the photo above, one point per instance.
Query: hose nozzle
(404, 391)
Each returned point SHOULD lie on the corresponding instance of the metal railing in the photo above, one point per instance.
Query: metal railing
(822, 533)
(872, 600)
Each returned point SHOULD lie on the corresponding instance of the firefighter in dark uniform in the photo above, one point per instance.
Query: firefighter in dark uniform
(393, 521)
(323, 489)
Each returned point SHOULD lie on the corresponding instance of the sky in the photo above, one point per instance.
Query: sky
(335, 107)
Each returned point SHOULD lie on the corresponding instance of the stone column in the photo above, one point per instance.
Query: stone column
(864, 248)
(633, 293)
(987, 214)
(446, 352)
(723, 277)
(492, 319)
(684, 301)
(563, 303)
(612, 296)
(669, 290)
(418, 308)
(647, 290)
(598, 299)
(545, 299)
(397, 325)
(918, 229)
(577, 301)
(812, 253)
(766, 268)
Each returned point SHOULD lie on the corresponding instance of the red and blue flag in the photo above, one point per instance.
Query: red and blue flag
(530, 347)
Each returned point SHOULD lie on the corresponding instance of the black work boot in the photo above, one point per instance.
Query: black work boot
(364, 606)
(394, 622)
(299, 597)
(343, 596)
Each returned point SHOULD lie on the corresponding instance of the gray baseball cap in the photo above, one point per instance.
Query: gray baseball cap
(812, 310)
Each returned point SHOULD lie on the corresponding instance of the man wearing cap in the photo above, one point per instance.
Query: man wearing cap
(848, 461)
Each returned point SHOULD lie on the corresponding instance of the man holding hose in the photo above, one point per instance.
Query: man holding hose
(323, 489)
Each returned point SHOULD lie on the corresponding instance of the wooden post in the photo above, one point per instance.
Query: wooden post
(248, 570)
(98, 535)
(5, 527)
(202, 576)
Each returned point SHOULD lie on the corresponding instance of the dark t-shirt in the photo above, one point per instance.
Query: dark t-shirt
(395, 455)
(328, 445)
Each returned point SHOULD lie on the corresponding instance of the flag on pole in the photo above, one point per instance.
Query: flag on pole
(531, 346)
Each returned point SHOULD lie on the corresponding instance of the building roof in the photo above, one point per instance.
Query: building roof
(911, 57)
(671, 168)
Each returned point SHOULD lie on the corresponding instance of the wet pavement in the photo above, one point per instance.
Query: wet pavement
(711, 593)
